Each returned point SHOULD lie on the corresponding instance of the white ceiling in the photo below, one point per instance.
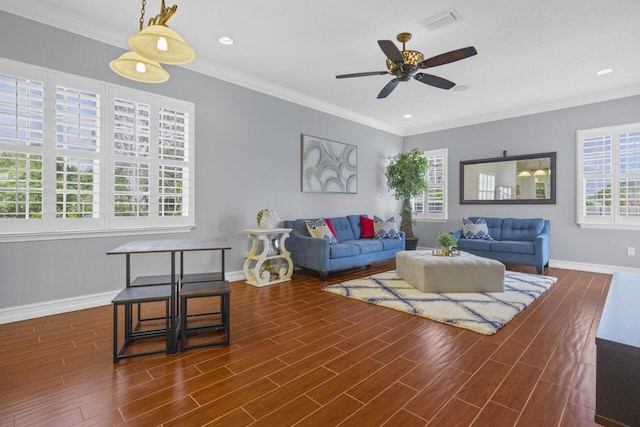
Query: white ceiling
(533, 55)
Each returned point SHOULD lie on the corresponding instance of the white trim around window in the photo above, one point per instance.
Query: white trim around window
(432, 204)
(83, 158)
(608, 177)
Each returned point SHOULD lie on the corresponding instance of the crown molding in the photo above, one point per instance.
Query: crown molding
(531, 109)
(48, 14)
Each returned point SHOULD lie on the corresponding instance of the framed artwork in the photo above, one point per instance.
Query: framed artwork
(328, 166)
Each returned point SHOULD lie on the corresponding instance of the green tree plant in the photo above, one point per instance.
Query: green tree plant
(405, 176)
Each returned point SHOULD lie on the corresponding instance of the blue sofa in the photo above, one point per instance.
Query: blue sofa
(351, 250)
(516, 241)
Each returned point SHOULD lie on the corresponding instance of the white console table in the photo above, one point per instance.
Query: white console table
(268, 262)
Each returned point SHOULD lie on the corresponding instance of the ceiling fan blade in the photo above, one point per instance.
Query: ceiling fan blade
(445, 58)
(369, 73)
(435, 81)
(391, 50)
(389, 87)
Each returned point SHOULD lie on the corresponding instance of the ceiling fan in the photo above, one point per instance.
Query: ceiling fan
(406, 64)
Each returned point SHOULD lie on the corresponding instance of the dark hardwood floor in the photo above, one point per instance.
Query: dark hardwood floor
(301, 356)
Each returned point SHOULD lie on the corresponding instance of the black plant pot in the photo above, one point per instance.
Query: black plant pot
(411, 244)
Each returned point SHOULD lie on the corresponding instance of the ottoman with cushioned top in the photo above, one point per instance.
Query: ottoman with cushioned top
(464, 273)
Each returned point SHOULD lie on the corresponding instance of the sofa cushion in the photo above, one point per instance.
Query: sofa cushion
(318, 228)
(343, 250)
(385, 229)
(343, 228)
(366, 246)
(475, 244)
(525, 229)
(390, 244)
(514, 246)
(475, 229)
(300, 225)
(367, 227)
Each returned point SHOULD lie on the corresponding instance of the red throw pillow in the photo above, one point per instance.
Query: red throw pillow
(367, 227)
(333, 231)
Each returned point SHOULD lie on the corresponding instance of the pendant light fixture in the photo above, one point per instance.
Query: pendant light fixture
(155, 44)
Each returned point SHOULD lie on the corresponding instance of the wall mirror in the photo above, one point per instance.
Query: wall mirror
(529, 178)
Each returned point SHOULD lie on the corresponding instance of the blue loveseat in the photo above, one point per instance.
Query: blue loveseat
(516, 241)
(351, 250)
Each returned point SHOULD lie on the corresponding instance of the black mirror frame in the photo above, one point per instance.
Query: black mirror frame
(552, 185)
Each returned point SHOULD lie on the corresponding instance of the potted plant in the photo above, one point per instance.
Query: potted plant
(405, 176)
(447, 242)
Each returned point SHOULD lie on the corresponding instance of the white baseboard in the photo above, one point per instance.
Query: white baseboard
(47, 308)
(592, 268)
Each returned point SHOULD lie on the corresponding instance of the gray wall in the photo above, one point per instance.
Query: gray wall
(247, 158)
(537, 133)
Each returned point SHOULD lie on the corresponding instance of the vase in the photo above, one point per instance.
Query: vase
(268, 219)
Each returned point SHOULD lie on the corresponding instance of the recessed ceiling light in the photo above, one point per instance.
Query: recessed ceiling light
(460, 88)
(604, 71)
(227, 41)
(407, 116)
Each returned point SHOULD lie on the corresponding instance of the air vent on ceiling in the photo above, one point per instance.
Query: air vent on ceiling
(441, 20)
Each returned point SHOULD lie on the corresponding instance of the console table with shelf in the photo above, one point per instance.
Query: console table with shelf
(268, 262)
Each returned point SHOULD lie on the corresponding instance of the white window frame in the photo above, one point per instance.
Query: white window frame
(423, 214)
(606, 221)
(105, 223)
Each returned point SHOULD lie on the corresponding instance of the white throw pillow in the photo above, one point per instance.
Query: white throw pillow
(320, 230)
(385, 229)
(475, 230)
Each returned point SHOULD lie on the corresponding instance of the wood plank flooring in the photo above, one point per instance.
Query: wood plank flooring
(301, 356)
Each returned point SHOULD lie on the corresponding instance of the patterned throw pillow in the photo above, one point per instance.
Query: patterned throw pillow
(475, 230)
(319, 229)
(385, 229)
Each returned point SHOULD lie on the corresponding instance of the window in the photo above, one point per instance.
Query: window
(432, 204)
(486, 186)
(81, 157)
(608, 182)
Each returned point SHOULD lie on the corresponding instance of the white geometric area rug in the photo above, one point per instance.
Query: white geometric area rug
(483, 312)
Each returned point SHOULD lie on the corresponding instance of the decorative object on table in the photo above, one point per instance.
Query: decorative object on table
(268, 219)
(480, 312)
(406, 177)
(448, 243)
(151, 46)
(328, 166)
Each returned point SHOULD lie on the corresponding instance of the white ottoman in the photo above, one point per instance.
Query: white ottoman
(464, 273)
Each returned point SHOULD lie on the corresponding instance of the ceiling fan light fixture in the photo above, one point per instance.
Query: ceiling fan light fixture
(411, 57)
(138, 68)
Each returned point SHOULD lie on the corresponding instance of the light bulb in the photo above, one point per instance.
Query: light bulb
(162, 44)
(140, 67)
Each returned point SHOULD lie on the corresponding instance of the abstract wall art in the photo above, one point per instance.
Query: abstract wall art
(328, 166)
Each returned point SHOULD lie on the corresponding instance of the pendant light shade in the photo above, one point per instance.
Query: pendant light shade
(136, 67)
(162, 44)
(151, 46)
